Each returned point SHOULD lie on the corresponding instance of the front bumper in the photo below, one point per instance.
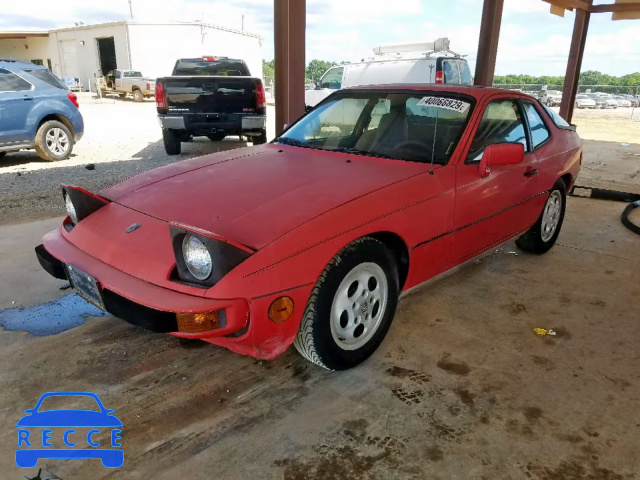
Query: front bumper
(136, 301)
(246, 330)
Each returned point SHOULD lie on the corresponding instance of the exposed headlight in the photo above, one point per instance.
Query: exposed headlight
(196, 257)
(71, 210)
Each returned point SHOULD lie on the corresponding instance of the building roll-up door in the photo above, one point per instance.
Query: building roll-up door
(69, 58)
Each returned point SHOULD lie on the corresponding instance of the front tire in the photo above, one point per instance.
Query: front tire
(54, 141)
(351, 306)
(543, 235)
(171, 141)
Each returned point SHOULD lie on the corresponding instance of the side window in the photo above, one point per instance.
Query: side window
(10, 82)
(465, 73)
(501, 123)
(332, 79)
(539, 131)
(557, 119)
(451, 72)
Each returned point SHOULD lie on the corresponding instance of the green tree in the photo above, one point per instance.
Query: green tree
(268, 68)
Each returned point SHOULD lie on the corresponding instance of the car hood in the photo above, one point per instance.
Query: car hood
(255, 195)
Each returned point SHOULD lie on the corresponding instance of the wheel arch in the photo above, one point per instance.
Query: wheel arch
(567, 178)
(398, 247)
(59, 117)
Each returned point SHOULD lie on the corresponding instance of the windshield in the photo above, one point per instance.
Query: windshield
(417, 126)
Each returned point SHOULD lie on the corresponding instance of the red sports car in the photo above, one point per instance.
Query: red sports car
(310, 239)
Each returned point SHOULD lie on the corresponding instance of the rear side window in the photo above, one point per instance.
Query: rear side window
(557, 119)
(502, 122)
(10, 82)
(46, 76)
(221, 68)
(332, 79)
(539, 131)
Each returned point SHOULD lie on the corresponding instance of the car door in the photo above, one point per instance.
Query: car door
(118, 81)
(16, 101)
(492, 209)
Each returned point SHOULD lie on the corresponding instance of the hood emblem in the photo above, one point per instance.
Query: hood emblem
(133, 228)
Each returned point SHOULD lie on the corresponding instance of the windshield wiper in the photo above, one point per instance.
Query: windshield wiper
(365, 153)
(293, 142)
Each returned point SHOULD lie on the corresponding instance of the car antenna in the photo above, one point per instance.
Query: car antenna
(433, 148)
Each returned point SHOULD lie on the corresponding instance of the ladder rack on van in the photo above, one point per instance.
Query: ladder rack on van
(441, 45)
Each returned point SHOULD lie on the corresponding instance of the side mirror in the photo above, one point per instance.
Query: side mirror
(500, 154)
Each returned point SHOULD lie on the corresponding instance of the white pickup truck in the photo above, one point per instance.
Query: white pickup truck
(126, 82)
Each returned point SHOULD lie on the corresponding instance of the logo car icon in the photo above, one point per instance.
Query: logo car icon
(68, 418)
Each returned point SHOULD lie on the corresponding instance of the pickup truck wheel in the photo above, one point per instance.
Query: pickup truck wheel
(216, 137)
(171, 141)
(351, 306)
(123, 95)
(138, 96)
(53, 141)
(2, 154)
(542, 236)
(260, 139)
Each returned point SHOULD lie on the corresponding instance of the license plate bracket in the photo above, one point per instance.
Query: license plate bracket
(86, 286)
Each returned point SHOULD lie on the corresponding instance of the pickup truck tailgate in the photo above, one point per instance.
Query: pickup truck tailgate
(204, 94)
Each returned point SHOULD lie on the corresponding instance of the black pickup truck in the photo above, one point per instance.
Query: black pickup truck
(211, 97)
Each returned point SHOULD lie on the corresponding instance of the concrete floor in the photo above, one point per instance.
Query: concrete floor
(461, 388)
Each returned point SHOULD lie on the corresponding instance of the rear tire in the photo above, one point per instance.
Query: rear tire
(262, 139)
(171, 140)
(2, 154)
(138, 96)
(543, 235)
(54, 141)
(351, 306)
(216, 137)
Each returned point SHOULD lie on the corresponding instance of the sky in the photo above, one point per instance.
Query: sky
(532, 41)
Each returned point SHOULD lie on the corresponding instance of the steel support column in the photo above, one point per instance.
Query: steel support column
(572, 77)
(488, 42)
(289, 41)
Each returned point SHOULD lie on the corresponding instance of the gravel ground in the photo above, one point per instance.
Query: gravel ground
(122, 138)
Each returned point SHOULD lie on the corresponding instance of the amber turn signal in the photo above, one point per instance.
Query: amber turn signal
(198, 322)
(281, 309)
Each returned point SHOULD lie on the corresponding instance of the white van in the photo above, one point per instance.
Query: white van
(452, 70)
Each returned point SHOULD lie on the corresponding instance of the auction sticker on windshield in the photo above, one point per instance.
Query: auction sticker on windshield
(443, 102)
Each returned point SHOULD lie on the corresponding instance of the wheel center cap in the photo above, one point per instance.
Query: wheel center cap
(364, 308)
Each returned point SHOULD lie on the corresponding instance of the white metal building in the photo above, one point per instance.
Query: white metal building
(151, 48)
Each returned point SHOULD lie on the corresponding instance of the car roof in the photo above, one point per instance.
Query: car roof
(15, 63)
(476, 91)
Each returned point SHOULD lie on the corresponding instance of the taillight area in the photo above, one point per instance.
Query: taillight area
(148, 86)
(160, 97)
(73, 98)
(439, 76)
(261, 96)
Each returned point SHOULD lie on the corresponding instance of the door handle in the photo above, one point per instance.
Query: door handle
(27, 99)
(530, 172)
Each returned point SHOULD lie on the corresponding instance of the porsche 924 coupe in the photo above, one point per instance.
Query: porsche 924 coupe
(311, 238)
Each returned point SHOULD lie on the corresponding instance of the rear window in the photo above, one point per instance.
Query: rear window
(132, 74)
(46, 76)
(221, 68)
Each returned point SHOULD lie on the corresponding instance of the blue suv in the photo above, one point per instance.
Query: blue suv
(37, 111)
